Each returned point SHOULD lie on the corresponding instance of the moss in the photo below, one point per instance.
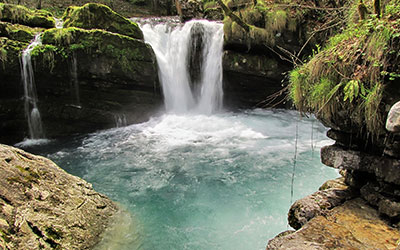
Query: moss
(97, 16)
(351, 72)
(22, 15)
(9, 53)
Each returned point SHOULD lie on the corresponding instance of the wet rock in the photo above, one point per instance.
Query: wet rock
(98, 16)
(393, 119)
(353, 225)
(43, 207)
(318, 203)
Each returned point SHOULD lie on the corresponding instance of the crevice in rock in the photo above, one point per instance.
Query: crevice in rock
(40, 234)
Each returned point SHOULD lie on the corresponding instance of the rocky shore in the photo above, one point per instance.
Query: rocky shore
(43, 207)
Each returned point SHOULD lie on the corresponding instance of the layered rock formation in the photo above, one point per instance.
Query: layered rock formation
(43, 207)
(86, 78)
(351, 89)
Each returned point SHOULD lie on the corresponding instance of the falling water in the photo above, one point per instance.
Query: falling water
(59, 23)
(74, 82)
(172, 46)
(30, 96)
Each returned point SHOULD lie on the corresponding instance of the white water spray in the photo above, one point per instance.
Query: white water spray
(171, 44)
(30, 96)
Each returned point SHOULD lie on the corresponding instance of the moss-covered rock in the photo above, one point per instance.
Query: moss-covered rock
(98, 16)
(22, 15)
(9, 56)
(18, 32)
(128, 58)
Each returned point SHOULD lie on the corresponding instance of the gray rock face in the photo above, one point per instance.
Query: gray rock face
(382, 167)
(43, 207)
(393, 119)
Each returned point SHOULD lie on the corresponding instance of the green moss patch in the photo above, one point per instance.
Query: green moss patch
(22, 15)
(98, 16)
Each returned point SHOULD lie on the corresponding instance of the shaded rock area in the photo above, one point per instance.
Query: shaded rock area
(86, 79)
(43, 207)
(353, 225)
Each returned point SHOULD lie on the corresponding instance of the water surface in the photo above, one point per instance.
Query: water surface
(201, 182)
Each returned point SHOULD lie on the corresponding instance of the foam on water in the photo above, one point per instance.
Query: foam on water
(202, 182)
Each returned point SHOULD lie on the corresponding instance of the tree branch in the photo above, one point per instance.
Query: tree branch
(234, 17)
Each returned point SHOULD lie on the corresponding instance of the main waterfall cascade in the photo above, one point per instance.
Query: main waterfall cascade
(172, 44)
(30, 96)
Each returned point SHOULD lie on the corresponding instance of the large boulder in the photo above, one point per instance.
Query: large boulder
(22, 15)
(98, 16)
(43, 207)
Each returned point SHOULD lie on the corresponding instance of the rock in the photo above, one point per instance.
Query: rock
(377, 196)
(353, 225)
(17, 32)
(318, 203)
(393, 119)
(22, 15)
(189, 9)
(43, 207)
(382, 167)
(116, 75)
(101, 54)
(250, 78)
(98, 16)
(337, 183)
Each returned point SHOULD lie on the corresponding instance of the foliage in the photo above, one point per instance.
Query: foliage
(351, 72)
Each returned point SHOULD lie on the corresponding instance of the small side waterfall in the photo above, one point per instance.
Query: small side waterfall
(173, 46)
(74, 82)
(30, 96)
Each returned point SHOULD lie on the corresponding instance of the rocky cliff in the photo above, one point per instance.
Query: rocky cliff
(91, 74)
(43, 207)
(351, 86)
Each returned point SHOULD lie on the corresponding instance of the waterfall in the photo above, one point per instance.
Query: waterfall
(177, 47)
(30, 96)
(74, 82)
